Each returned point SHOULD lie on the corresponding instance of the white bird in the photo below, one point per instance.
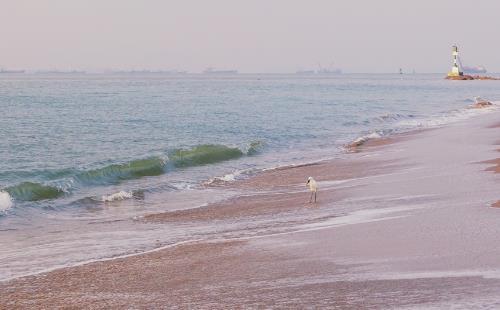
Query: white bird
(313, 187)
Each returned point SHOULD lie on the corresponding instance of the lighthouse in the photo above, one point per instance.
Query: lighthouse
(455, 70)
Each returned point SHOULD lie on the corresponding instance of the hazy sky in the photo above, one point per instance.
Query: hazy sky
(251, 36)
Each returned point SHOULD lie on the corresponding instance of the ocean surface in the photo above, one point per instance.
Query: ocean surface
(83, 155)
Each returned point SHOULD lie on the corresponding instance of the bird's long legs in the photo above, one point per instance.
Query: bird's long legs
(311, 199)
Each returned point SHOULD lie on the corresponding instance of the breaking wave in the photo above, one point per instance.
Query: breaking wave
(203, 155)
(444, 118)
(119, 172)
(5, 201)
(363, 139)
(121, 195)
(199, 155)
(230, 177)
(30, 191)
(405, 123)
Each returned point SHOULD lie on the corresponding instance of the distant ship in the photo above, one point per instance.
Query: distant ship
(473, 70)
(305, 72)
(151, 72)
(213, 71)
(331, 69)
(11, 71)
(155, 72)
(60, 72)
(467, 69)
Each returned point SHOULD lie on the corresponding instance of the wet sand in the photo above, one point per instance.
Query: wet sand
(278, 191)
(228, 274)
(414, 230)
(496, 165)
(495, 168)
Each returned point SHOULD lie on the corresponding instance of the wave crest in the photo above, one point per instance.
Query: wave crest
(362, 140)
(29, 191)
(203, 155)
(118, 172)
(115, 173)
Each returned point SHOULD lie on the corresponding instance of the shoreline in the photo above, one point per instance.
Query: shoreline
(318, 259)
(220, 206)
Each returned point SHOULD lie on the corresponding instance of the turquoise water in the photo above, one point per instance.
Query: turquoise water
(68, 139)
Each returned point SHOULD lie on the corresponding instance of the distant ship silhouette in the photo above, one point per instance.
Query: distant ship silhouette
(214, 71)
(11, 71)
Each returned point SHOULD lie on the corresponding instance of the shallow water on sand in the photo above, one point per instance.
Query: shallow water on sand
(81, 154)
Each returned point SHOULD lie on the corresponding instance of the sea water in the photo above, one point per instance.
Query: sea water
(80, 153)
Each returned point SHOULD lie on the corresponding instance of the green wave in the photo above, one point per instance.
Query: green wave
(181, 158)
(112, 174)
(203, 155)
(132, 170)
(29, 191)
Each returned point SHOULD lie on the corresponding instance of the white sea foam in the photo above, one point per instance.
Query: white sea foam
(121, 195)
(363, 139)
(443, 119)
(226, 178)
(5, 201)
(230, 177)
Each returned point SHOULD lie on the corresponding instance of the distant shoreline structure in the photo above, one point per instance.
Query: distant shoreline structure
(466, 77)
(458, 71)
(217, 72)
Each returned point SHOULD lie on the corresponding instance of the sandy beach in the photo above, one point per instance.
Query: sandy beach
(400, 223)
(249, 155)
